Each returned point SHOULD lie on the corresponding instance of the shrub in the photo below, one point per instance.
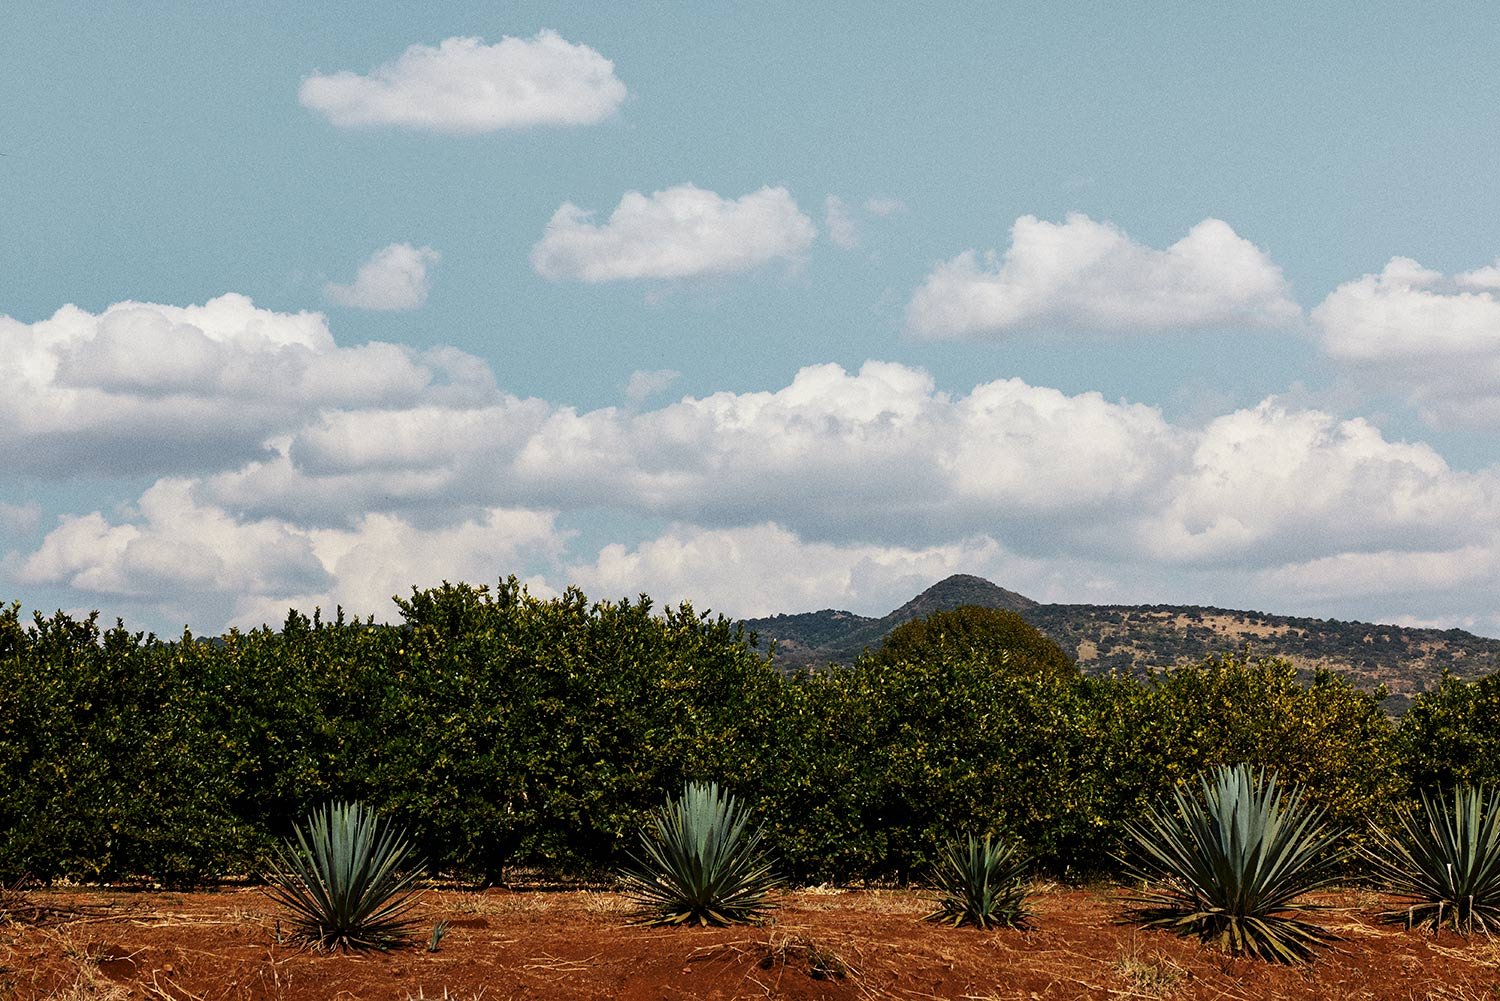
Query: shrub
(700, 863)
(1228, 867)
(1451, 735)
(343, 879)
(1447, 861)
(995, 635)
(981, 882)
(1324, 735)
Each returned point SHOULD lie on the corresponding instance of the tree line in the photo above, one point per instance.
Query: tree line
(505, 730)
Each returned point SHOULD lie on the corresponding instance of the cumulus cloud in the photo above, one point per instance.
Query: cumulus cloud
(834, 454)
(1431, 338)
(681, 232)
(1270, 484)
(463, 85)
(645, 384)
(393, 278)
(197, 563)
(881, 456)
(291, 471)
(156, 389)
(1088, 275)
(840, 223)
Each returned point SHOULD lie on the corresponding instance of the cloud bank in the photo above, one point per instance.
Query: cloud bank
(288, 470)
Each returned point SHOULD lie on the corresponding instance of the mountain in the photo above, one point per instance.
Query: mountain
(1136, 638)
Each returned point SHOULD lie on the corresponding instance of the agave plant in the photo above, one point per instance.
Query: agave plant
(981, 882)
(1447, 861)
(700, 863)
(1229, 866)
(346, 879)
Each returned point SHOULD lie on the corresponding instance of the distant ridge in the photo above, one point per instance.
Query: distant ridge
(1135, 638)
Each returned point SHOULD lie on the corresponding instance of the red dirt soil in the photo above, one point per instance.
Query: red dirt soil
(822, 944)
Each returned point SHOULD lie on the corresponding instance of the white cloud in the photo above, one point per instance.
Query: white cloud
(645, 384)
(681, 232)
(289, 470)
(394, 278)
(196, 563)
(1082, 274)
(882, 457)
(143, 388)
(764, 569)
(1268, 484)
(1434, 340)
(840, 223)
(1388, 573)
(465, 86)
(834, 454)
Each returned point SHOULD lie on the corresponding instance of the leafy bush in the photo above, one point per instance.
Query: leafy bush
(1451, 735)
(700, 862)
(111, 765)
(1323, 734)
(1228, 867)
(981, 882)
(344, 881)
(1447, 861)
(994, 635)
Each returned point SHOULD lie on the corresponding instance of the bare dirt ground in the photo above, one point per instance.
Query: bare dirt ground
(829, 944)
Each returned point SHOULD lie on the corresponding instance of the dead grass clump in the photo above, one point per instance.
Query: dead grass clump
(502, 903)
(615, 905)
(819, 961)
(1151, 976)
(88, 982)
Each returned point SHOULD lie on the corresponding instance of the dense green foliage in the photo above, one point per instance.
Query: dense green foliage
(1228, 865)
(501, 729)
(989, 634)
(347, 879)
(1451, 735)
(1446, 862)
(700, 862)
(981, 881)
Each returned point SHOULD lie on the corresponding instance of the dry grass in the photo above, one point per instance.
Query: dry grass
(1148, 976)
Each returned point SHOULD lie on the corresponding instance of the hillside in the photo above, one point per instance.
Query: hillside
(1135, 638)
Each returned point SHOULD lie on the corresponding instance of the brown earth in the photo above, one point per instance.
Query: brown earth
(822, 944)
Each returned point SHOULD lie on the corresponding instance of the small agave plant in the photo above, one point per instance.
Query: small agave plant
(1446, 861)
(1227, 867)
(981, 882)
(346, 879)
(700, 862)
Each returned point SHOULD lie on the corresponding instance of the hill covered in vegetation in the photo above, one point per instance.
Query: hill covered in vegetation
(1134, 639)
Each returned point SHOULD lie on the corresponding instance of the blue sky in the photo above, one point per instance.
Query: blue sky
(771, 307)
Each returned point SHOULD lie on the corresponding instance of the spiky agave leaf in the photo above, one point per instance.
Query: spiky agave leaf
(700, 863)
(345, 879)
(981, 882)
(1227, 867)
(1446, 861)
